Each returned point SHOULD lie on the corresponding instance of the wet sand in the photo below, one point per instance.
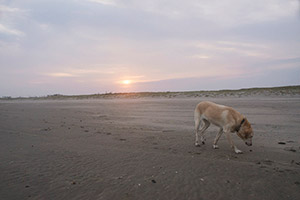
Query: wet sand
(144, 149)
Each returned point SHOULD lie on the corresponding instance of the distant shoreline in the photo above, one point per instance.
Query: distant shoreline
(292, 91)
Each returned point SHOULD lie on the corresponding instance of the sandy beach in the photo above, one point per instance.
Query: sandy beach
(144, 149)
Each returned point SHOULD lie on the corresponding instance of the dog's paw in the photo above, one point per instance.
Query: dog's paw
(238, 151)
(203, 142)
(215, 146)
(197, 144)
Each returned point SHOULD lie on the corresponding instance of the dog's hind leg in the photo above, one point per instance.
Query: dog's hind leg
(197, 125)
(204, 127)
(215, 146)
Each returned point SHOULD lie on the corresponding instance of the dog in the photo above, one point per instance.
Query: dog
(228, 119)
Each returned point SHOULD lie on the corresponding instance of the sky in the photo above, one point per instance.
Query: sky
(97, 46)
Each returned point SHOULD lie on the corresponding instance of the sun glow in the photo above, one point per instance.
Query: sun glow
(126, 82)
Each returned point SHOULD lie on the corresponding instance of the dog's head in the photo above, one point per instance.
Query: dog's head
(245, 132)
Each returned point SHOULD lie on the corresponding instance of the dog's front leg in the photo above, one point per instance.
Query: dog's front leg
(215, 146)
(236, 150)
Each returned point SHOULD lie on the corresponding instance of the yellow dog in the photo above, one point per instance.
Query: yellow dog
(228, 119)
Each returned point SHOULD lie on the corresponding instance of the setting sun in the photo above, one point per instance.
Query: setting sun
(126, 82)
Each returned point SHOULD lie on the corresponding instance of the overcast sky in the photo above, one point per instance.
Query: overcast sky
(92, 46)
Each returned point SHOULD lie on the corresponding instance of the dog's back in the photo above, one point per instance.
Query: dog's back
(214, 113)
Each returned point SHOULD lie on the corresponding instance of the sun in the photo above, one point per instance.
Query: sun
(126, 82)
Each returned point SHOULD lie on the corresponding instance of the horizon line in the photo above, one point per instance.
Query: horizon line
(145, 92)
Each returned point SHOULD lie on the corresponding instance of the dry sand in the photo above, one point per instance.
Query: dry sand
(144, 149)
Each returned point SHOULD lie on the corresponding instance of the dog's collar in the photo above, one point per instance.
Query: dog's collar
(239, 127)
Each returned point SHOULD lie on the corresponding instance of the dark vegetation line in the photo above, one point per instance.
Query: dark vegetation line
(267, 91)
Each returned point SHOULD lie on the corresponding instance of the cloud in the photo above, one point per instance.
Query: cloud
(279, 64)
(235, 12)
(89, 71)
(4, 8)
(8, 19)
(223, 13)
(218, 48)
(60, 74)
(200, 56)
(104, 2)
(9, 31)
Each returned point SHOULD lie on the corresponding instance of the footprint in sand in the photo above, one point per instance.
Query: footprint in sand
(105, 133)
(46, 129)
(292, 149)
